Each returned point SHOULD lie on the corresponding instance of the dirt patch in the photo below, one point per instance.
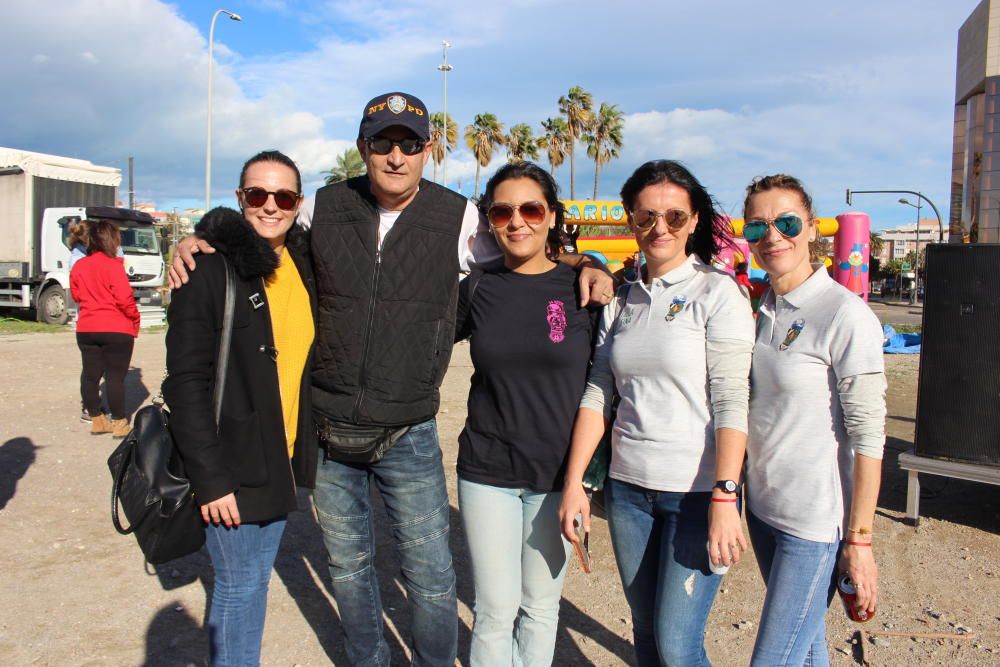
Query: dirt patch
(76, 593)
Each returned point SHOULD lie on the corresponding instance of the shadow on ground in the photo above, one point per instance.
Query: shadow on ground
(16, 456)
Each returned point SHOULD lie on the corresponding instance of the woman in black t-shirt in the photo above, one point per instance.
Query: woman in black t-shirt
(530, 345)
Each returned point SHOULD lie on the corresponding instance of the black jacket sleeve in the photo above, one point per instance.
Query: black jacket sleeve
(463, 316)
(195, 318)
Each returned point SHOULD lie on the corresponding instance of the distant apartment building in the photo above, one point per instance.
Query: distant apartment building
(975, 182)
(902, 240)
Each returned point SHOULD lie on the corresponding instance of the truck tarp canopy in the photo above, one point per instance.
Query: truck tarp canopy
(59, 168)
(124, 214)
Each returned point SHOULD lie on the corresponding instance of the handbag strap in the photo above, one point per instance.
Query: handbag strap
(222, 363)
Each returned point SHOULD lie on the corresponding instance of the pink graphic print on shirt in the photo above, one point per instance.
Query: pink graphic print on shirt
(555, 313)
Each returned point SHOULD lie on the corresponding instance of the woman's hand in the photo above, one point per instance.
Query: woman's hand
(223, 510)
(574, 503)
(184, 259)
(859, 564)
(726, 542)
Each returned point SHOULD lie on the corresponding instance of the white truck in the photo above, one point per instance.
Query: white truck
(40, 196)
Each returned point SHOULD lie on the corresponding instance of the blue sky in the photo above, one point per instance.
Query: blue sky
(855, 93)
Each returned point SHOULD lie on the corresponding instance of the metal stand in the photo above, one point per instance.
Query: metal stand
(909, 461)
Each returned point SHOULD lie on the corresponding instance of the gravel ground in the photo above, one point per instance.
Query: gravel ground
(76, 593)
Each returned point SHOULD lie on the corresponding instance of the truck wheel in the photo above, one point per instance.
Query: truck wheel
(51, 307)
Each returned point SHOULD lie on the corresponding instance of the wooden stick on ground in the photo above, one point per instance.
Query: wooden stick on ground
(923, 635)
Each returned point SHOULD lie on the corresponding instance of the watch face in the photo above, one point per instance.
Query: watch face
(728, 485)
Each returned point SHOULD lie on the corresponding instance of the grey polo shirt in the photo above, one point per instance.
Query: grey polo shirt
(818, 348)
(679, 356)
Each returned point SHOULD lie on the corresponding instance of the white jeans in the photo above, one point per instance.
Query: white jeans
(518, 566)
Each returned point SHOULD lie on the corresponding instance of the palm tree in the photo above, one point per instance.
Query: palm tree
(349, 165)
(577, 107)
(521, 143)
(554, 140)
(437, 138)
(605, 138)
(485, 133)
(875, 244)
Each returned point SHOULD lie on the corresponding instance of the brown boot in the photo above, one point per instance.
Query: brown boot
(120, 428)
(100, 424)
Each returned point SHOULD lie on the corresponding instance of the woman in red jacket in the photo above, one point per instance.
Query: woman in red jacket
(106, 327)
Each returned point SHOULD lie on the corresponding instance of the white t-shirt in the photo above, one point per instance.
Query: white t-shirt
(657, 358)
(476, 245)
(799, 460)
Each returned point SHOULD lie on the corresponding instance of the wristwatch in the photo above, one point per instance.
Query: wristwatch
(727, 485)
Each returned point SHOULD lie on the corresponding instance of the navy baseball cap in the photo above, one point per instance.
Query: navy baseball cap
(392, 109)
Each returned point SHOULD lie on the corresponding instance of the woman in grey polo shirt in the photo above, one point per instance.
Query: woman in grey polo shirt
(675, 346)
(817, 428)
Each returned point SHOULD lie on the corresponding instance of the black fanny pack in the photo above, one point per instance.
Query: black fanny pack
(352, 443)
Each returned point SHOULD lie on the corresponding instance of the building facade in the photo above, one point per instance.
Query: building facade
(975, 182)
(898, 242)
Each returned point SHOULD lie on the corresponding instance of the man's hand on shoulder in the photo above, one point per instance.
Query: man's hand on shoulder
(183, 262)
(597, 285)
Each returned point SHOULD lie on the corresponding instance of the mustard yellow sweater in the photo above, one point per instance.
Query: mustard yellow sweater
(294, 330)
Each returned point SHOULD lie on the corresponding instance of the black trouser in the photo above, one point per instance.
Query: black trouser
(104, 355)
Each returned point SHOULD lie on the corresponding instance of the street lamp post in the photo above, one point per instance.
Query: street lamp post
(444, 68)
(208, 134)
(851, 193)
(916, 262)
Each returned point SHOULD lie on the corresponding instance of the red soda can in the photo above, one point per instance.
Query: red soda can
(849, 596)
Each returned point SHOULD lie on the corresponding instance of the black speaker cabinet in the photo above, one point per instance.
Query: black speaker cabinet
(958, 392)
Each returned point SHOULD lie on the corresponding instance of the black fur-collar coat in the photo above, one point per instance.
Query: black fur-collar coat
(249, 454)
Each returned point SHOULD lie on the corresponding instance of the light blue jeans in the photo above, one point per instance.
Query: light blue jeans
(660, 540)
(518, 566)
(410, 479)
(242, 558)
(800, 576)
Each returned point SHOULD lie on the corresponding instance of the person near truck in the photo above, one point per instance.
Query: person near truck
(106, 327)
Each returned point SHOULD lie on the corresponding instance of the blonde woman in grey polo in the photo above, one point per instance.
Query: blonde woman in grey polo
(676, 348)
(817, 428)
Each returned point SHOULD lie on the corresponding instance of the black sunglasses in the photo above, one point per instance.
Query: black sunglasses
(257, 197)
(384, 146)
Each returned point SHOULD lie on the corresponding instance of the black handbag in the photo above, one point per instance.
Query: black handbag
(148, 472)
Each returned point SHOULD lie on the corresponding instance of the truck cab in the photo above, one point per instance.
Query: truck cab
(140, 249)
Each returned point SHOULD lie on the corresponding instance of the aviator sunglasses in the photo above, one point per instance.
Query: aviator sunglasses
(383, 146)
(532, 212)
(645, 218)
(788, 225)
(257, 197)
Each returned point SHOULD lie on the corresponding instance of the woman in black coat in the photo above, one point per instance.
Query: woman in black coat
(244, 470)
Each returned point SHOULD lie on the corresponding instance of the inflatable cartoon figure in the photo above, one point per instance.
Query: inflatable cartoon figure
(858, 269)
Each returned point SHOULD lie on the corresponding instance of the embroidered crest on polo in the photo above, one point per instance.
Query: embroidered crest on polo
(676, 306)
(792, 333)
(397, 103)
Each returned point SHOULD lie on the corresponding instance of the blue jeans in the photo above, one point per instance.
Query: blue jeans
(800, 576)
(518, 566)
(660, 538)
(242, 558)
(410, 479)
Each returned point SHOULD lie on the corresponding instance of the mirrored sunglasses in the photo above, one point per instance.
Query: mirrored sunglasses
(646, 218)
(788, 225)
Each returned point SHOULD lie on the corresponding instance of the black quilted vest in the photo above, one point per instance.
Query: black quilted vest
(386, 317)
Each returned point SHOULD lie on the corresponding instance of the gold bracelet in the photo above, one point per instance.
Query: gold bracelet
(860, 531)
